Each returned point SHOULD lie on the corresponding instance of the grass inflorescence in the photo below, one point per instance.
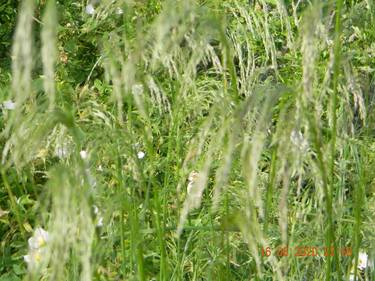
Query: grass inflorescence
(188, 140)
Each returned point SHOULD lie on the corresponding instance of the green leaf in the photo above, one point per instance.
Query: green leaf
(9, 277)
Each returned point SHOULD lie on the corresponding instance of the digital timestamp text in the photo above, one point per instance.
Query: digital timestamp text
(305, 251)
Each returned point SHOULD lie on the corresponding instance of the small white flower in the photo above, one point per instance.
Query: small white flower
(361, 266)
(100, 168)
(39, 239)
(362, 260)
(141, 155)
(9, 105)
(83, 154)
(90, 9)
(34, 258)
(27, 258)
(119, 11)
(37, 248)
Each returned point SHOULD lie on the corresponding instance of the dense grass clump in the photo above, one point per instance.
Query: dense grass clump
(187, 140)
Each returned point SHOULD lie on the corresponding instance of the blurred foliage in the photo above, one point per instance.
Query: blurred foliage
(87, 110)
(8, 17)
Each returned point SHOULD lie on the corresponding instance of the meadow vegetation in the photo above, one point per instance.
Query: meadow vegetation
(187, 140)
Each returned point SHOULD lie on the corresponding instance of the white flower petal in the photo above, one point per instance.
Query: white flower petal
(9, 105)
(141, 155)
(34, 259)
(27, 259)
(362, 260)
(39, 239)
(90, 10)
(42, 233)
(83, 154)
(119, 11)
(32, 243)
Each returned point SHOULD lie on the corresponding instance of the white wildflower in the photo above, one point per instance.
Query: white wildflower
(39, 239)
(362, 260)
(27, 259)
(119, 11)
(9, 105)
(34, 258)
(37, 248)
(83, 154)
(90, 10)
(362, 265)
(141, 155)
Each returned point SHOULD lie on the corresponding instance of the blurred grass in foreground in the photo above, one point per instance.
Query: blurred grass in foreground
(178, 140)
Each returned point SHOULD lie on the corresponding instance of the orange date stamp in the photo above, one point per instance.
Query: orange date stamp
(306, 251)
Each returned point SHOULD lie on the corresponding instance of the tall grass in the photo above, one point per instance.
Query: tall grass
(203, 133)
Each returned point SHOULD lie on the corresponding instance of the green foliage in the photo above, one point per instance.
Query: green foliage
(8, 13)
(178, 140)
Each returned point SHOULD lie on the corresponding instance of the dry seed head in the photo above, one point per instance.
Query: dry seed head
(192, 179)
(194, 196)
(22, 53)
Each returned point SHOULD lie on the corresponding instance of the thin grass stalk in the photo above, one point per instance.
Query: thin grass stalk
(136, 242)
(270, 188)
(161, 236)
(22, 54)
(318, 145)
(335, 80)
(123, 211)
(228, 62)
(123, 248)
(13, 203)
(226, 237)
(358, 203)
(49, 34)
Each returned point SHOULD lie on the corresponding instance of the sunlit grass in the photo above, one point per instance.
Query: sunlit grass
(189, 140)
